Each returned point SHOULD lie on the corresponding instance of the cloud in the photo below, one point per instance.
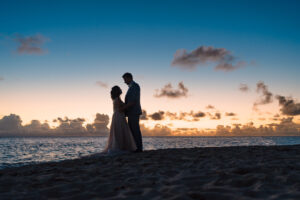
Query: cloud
(199, 114)
(227, 67)
(158, 115)
(70, 126)
(168, 91)
(31, 44)
(36, 127)
(184, 116)
(230, 114)
(144, 115)
(266, 95)
(1, 78)
(288, 106)
(222, 57)
(215, 116)
(172, 116)
(210, 107)
(286, 127)
(157, 130)
(11, 125)
(100, 124)
(102, 84)
(244, 87)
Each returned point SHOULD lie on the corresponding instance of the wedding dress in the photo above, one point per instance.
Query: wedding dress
(120, 138)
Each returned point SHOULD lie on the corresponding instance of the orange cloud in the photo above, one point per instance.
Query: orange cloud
(168, 91)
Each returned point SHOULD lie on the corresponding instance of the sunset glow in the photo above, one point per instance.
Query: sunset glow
(200, 67)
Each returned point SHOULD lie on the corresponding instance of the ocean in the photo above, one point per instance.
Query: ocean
(19, 151)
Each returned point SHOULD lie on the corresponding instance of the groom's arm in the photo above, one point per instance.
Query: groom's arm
(128, 105)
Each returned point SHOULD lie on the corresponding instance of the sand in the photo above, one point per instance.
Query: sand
(199, 173)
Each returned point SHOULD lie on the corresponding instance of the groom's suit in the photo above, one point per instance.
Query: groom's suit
(133, 113)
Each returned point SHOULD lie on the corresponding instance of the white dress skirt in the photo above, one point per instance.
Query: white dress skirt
(120, 138)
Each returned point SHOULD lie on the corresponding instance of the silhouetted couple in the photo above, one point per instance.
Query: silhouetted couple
(125, 136)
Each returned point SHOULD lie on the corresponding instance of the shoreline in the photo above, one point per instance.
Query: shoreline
(238, 172)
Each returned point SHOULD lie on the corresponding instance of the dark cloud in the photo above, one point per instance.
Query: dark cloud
(36, 127)
(244, 87)
(10, 124)
(286, 127)
(158, 115)
(100, 123)
(31, 44)
(144, 115)
(215, 116)
(102, 84)
(266, 95)
(199, 114)
(168, 91)
(288, 106)
(230, 114)
(70, 126)
(184, 116)
(222, 57)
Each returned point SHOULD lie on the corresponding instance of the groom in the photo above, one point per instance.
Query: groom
(133, 109)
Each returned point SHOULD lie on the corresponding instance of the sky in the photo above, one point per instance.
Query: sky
(202, 65)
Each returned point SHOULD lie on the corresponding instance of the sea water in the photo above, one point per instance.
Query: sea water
(18, 151)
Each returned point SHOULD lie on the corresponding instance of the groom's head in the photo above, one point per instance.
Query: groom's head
(127, 78)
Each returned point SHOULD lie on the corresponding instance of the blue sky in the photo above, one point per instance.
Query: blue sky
(90, 41)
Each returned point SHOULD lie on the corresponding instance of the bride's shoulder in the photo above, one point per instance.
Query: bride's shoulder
(118, 101)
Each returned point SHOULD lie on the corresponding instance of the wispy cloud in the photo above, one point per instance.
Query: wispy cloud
(170, 92)
(31, 44)
(266, 95)
(244, 87)
(102, 84)
(230, 114)
(223, 58)
(210, 107)
(1, 78)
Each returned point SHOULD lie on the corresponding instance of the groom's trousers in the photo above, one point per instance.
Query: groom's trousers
(134, 125)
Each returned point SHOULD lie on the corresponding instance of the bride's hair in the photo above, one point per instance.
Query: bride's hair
(115, 92)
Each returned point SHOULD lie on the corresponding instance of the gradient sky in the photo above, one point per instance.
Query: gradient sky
(90, 41)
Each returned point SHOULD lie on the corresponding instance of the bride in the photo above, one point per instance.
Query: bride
(120, 138)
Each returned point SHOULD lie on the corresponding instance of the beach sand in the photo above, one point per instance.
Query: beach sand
(256, 172)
